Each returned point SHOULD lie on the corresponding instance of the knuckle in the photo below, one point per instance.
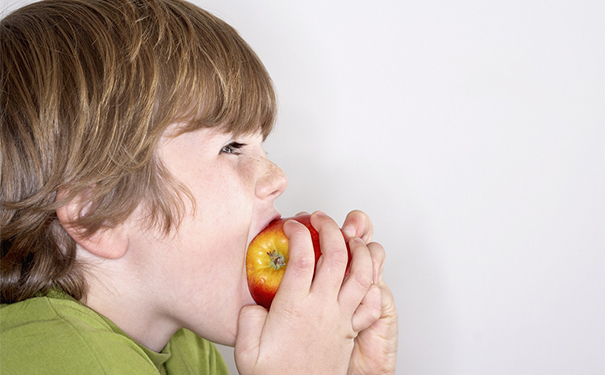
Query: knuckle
(337, 256)
(302, 262)
(362, 279)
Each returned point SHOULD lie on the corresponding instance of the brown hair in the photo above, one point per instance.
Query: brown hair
(87, 88)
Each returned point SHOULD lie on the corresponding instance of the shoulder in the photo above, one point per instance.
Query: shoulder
(63, 336)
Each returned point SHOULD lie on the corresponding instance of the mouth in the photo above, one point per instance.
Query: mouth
(277, 216)
(257, 229)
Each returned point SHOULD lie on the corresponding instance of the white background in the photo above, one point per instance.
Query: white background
(473, 133)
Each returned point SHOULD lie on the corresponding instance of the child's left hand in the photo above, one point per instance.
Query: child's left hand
(375, 350)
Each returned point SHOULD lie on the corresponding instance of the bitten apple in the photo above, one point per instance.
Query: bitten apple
(267, 258)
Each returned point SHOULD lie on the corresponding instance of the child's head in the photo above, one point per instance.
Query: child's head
(87, 88)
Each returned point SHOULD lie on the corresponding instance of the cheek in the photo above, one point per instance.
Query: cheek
(224, 183)
(227, 197)
(210, 255)
(223, 213)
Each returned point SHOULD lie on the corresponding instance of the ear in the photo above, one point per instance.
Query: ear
(109, 243)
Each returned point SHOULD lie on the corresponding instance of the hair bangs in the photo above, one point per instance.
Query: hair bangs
(220, 82)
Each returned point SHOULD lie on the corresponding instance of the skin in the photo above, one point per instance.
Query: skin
(375, 348)
(151, 285)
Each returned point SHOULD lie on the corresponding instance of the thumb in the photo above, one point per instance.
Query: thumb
(247, 343)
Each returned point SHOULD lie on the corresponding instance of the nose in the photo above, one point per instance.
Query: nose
(273, 183)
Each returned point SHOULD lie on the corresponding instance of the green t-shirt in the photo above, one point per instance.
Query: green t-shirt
(56, 334)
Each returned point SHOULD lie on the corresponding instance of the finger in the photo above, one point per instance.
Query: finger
(250, 326)
(359, 280)
(302, 213)
(298, 276)
(378, 257)
(334, 256)
(369, 311)
(358, 224)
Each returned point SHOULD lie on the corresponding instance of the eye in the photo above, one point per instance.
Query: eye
(232, 148)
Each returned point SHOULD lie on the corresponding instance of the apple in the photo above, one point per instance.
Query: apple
(267, 258)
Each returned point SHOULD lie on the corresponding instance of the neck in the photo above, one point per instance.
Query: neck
(116, 292)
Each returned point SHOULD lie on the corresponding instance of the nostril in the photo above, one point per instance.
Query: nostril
(273, 183)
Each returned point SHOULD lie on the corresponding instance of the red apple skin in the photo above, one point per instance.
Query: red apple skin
(267, 258)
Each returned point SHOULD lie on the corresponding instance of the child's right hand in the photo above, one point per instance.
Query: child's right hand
(313, 322)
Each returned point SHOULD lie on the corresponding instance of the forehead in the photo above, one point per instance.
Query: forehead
(181, 128)
(205, 137)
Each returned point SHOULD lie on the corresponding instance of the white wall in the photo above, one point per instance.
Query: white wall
(473, 133)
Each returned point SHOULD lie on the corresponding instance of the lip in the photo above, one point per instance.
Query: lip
(265, 224)
(277, 216)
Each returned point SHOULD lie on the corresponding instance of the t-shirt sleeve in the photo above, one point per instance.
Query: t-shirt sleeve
(60, 336)
(193, 355)
(57, 347)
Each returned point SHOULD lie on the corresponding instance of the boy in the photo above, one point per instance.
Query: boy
(132, 180)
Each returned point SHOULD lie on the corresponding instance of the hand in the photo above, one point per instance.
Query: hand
(357, 224)
(375, 350)
(314, 320)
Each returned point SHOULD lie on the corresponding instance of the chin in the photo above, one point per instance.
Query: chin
(227, 338)
(220, 328)
(228, 331)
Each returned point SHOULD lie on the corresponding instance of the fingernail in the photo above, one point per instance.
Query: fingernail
(357, 239)
(349, 230)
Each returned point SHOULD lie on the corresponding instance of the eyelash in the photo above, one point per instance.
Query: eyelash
(233, 148)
